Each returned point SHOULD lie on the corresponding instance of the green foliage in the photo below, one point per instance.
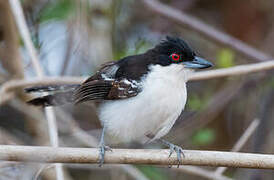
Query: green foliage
(140, 47)
(152, 173)
(58, 10)
(196, 103)
(271, 82)
(204, 137)
(225, 58)
(21, 42)
(34, 39)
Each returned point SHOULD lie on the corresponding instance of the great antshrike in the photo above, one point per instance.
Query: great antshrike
(140, 97)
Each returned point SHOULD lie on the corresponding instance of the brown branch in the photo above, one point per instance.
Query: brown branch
(206, 30)
(135, 156)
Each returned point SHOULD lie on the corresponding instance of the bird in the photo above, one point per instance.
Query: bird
(139, 97)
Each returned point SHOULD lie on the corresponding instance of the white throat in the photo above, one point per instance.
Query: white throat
(174, 73)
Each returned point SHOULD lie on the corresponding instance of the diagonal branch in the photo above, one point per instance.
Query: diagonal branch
(241, 142)
(23, 29)
(206, 30)
(135, 156)
(217, 174)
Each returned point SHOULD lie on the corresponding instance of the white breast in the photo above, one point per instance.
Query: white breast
(153, 111)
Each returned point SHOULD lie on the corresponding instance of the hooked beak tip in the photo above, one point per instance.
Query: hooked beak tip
(198, 63)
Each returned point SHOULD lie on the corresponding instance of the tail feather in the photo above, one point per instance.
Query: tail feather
(63, 94)
(56, 99)
(51, 88)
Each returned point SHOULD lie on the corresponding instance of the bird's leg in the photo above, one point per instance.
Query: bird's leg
(102, 148)
(172, 147)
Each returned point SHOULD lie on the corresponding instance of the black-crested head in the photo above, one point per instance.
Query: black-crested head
(174, 50)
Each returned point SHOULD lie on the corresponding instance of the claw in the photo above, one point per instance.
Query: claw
(179, 152)
(102, 149)
(177, 149)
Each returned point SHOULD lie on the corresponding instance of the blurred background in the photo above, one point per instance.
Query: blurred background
(73, 37)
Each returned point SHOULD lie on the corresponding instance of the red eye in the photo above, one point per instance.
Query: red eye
(175, 57)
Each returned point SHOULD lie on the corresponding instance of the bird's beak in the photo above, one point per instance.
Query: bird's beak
(197, 63)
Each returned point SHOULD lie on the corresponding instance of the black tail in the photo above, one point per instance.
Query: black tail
(63, 95)
(51, 88)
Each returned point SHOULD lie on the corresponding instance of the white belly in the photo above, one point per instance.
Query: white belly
(152, 112)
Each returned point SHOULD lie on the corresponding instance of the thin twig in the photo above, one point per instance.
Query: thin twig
(244, 138)
(241, 142)
(135, 156)
(206, 30)
(233, 71)
(41, 169)
(23, 29)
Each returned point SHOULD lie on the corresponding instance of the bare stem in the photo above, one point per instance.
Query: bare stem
(135, 156)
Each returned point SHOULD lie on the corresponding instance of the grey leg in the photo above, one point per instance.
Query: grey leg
(172, 147)
(102, 148)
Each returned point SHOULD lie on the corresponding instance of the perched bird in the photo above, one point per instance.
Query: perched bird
(140, 97)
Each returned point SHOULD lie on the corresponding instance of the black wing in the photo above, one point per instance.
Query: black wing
(104, 86)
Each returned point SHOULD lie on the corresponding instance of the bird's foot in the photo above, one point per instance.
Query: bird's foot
(177, 149)
(102, 149)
